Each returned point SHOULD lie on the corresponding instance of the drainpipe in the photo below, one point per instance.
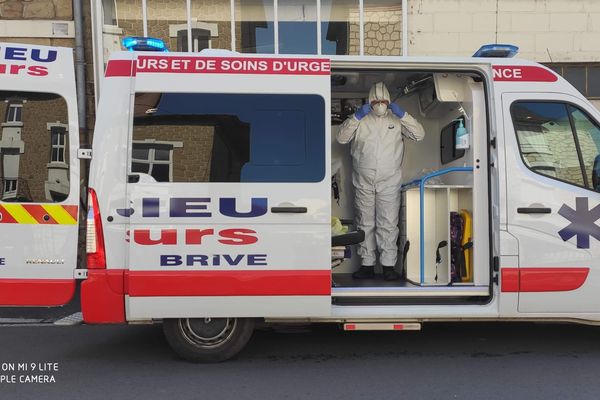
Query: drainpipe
(80, 68)
(81, 105)
(404, 28)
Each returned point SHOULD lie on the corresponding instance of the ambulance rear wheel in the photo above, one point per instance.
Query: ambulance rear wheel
(208, 339)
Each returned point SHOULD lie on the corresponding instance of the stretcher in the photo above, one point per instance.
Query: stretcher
(466, 244)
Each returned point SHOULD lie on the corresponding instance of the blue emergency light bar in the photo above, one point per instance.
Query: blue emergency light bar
(138, 43)
(497, 51)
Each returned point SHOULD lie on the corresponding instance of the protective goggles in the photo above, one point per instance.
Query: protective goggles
(375, 102)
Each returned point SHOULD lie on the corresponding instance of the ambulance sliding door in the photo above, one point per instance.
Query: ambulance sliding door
(229, 183)
(39, 177)
(552, 165)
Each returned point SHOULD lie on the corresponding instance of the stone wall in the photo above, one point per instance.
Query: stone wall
(383, 28)
(383, 31)
(545, 30)
(36, 9)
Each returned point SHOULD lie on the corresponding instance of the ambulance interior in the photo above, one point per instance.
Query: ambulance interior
(443, 243)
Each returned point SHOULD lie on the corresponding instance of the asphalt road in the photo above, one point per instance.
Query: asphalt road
(444, 361)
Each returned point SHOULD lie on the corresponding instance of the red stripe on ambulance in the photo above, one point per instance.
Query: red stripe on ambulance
(529, 280)
(120, 68)
(229, 283)
(510, 280)
(522, 73)
(36, 292)
(551, 279)
(232, 65)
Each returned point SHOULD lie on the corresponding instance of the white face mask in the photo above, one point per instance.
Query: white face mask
(380, 109)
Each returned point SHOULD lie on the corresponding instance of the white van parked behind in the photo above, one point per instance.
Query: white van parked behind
(214, 180)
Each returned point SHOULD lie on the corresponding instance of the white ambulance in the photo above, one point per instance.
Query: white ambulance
(214, 180)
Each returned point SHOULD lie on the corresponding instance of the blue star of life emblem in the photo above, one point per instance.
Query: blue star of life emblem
(583, 222)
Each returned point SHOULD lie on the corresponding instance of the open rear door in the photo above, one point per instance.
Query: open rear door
(39, 175)
(229, 188)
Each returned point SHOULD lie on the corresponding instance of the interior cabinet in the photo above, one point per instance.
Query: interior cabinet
(429, 233)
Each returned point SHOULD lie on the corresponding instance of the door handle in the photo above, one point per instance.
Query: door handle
(133, 178)
(534, 210)
(289, 210)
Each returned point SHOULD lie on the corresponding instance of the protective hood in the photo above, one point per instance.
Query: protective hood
(379, 92)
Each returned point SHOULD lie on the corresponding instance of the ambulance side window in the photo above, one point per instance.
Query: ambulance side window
(198, 137)
(557, 140)
(588, 135)
(34, 147)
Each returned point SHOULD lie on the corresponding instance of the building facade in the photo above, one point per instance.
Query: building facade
(563, 34)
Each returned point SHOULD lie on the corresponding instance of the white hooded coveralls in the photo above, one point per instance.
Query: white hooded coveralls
(377, 149)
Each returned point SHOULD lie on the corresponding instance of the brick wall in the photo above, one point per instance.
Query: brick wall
(545, 30)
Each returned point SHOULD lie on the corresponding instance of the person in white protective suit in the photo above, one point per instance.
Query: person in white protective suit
(376, 130)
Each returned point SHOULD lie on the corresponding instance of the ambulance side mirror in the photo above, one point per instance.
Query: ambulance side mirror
(596, 174)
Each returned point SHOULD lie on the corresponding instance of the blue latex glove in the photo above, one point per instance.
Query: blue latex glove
(397, 110)
(362, 112)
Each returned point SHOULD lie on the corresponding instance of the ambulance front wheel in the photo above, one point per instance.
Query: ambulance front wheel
(208, 339)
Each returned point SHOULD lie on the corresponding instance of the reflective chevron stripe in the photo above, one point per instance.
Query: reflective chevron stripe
(47, 214)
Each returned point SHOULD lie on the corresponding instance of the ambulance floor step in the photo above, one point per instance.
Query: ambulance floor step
(346, 280)
(73, 319)
(345, 286)
(382, 326)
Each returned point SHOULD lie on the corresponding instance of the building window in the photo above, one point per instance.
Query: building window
(153, 158)
(109, 11)
(262, 26)
(340, 27)
(200, 39)
(10, 189)
(297, 26)
(58, 140)
(584, 77)
(255, 26)
(13, 112)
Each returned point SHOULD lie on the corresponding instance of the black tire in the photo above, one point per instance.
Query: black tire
(208, 340)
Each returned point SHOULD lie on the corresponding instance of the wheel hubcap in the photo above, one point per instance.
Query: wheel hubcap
(207, 332)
